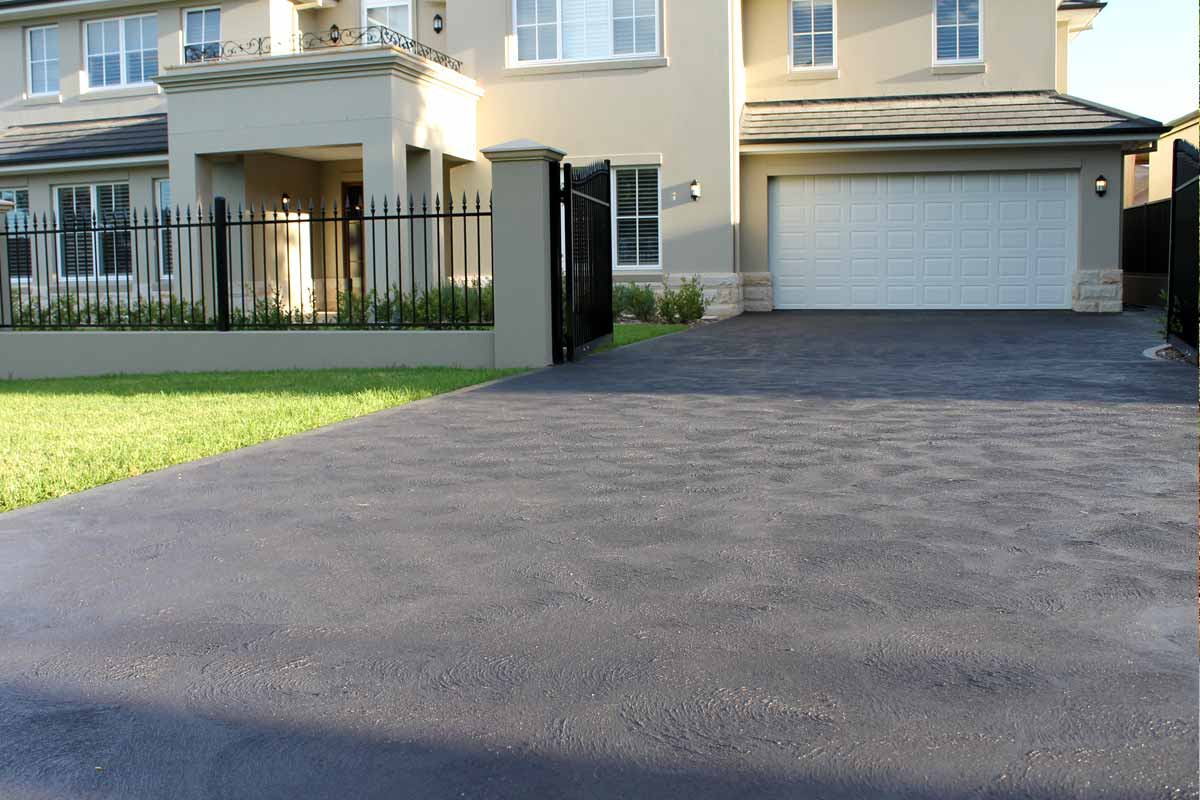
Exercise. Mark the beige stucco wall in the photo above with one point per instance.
(45, 354)
(241, 21)
(886, 48)
(41, 184)
(1100, 217)
(1162, 159)
(681, 115)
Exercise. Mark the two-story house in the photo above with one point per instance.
(792, 153)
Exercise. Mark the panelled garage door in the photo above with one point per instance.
(938, 240)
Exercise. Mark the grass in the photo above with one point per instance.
(63, 436)
(633, 332)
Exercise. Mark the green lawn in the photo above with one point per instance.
(634, 332)
(63, 436)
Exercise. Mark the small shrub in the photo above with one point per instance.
(642, 303)
(1175, 327)
(620, 300)
(685, 304)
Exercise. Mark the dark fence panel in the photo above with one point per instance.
(344, 265)
(587, 211)
(1183, 321)
(1146, 238)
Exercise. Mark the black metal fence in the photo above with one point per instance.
(294, 267)
(1146, 238)
(585, 196)
(1183, 294)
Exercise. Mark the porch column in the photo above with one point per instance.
(522, 258)
(385, 244)
(191, 190)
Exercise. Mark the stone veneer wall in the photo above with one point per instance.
(758, 292)
(1098, 290)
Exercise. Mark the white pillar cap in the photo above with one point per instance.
(523, 150)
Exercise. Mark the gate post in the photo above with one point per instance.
(6, 309)
(221, 261)
(523, 252)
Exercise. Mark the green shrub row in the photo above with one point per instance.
(451, 306)
(683, 305)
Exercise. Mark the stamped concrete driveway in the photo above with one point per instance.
(787, 556)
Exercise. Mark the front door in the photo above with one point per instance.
(352, 237)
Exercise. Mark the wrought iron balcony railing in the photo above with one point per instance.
(334, 37)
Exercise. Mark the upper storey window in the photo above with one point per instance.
(585, 30)
(42, 48)
(121, 52)
(201, 35)
(392, 14)
(957, 34)
(813, 34)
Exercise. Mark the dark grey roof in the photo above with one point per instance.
(1068, 5)
(87, 139)
(949, 116)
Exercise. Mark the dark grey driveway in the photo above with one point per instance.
(795, 556)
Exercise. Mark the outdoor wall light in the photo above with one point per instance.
(335, 34)
(697, 190)
(285, 200)
(1102, 186)
(438, 23)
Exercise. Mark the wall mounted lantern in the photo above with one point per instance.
(1102, 186)
(335, 34)
(438, 23)
(285, 200)
(697, 190)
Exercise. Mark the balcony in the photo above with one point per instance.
(335, 37)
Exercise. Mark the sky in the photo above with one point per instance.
(1141, 57)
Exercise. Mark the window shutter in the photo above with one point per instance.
(74, 218)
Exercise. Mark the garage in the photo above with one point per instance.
(988, 200)
(1004, 240)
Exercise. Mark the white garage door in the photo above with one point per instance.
(975, 240)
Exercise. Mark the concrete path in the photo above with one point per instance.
(787, 556)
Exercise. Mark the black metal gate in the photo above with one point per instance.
(1184, 286)
(581, 216)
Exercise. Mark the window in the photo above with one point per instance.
(957, 30)
(201, 35)
(585, 30)
(814, 38)
(16, 239)
(42, 49)
(95, 238)
(637, 210)
(392, 14)
(162, 202)
(122, 52)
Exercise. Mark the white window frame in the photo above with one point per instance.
(29, 63)
(952, 61)
(186, 44)
(125, 83)
(514, 56)
(616, 257)
(15, 232)
(381, 3)
(94, 223)
(792, 41)
(164, 231)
